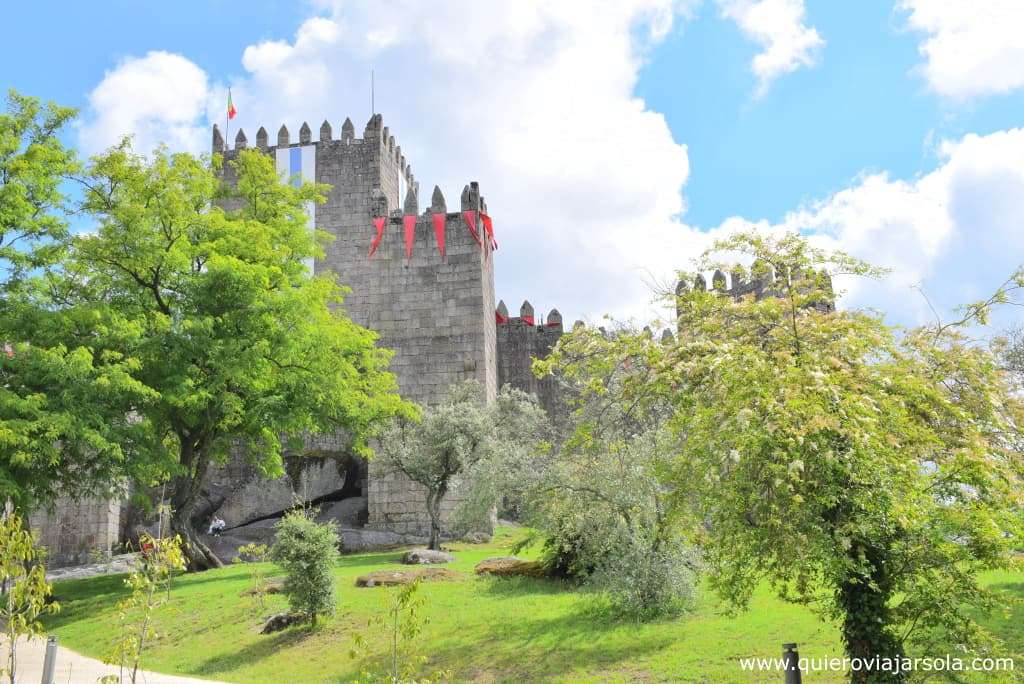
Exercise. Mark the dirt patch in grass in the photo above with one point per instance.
(271, 587)
(391, 578)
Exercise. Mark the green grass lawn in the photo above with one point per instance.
(481, 629)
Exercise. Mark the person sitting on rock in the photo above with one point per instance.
(217, 526)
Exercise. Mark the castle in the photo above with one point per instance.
(421, 276)
(436, 311)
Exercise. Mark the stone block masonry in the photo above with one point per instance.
(437, 314)
(72, 531)
(520, 340)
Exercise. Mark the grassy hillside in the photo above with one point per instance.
(482, 629)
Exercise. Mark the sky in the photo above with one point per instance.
(614, 141)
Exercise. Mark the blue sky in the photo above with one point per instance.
(613, 144)
(863, 108)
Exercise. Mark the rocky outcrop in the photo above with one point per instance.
(279, 621)
(391, 578)
(510, 566)
(426, 557)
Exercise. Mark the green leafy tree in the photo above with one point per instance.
(601, 499)
(33, 164)
(869, 471)
(253, 555)
(62, 426)
(204, 288)
(25, 591)
(161, 558)
(402, 621)
(458, 437)
(307, 551)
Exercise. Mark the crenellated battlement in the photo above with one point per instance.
(375, 133)
(519, 340)
(526, 319)
(762, 281)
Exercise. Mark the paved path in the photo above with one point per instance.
(73, 668)
(117, 564)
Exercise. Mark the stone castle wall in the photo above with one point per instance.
(520, 340)
(72, 531)
(436, 314)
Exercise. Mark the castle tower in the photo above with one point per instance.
(521, 339)
(436, 313)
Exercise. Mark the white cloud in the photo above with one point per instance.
(160, 97)
(533, 99)
(955, 232)
(973, 48)
(778, 27)
(583, 180)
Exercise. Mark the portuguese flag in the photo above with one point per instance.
(231, 106)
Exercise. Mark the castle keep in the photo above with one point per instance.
(436, 313)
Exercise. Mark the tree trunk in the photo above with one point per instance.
(198, 555)
(434, 510)
(864, 599)
(184, 491)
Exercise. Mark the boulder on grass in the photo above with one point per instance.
(426, 557)
(510, 566)
(279, 621)
(477, 537)
(391, 578)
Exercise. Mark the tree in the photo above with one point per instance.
(239, 347)
(454, 438)
(866, 470)
(62, 429)
(161, 558)
(25, 589)
(601, 497)
(308, 552)
(401, 620)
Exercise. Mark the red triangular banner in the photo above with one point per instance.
(439, 220)
(489, 227)
(378, 223)
(409, 223)
(528, 320)
(469, 216)
(499, 319)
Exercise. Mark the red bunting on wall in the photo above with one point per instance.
(528, 320)
(439, 219)
(469, 216)
(499, 319)
(378, 223)
(409, 223)
(489, 227)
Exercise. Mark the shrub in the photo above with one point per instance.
(307, 551)
(162, 557)
(26, 593)
(572, 547)
(645, 583)
(253, 555)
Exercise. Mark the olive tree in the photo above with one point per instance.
(457, 437)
